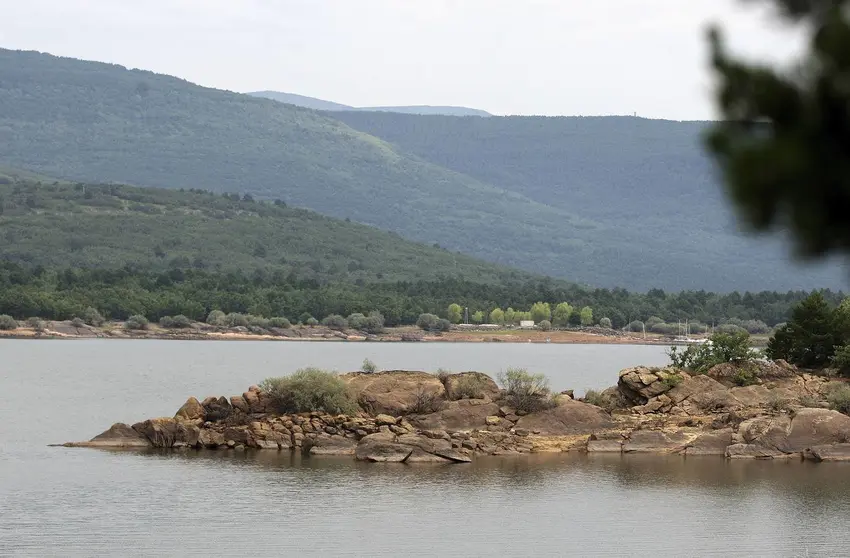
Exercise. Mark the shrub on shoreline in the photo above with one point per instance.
(526, 392)
(177, 322)
(8, 323)
(311, 389)
(92, 317)
(216, 318)
(136, 322)
(470, 386)
(335, 322)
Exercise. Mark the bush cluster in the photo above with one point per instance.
(176, 322)
(430, 322)
(7, 323)
(92, 317)
(526, 392)
(838, 397)
(470, 386)
(136, 322)
(311, 389)
(721, 348)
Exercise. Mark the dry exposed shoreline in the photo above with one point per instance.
(115, 330)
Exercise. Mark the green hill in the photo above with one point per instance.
(112, 226)
(98, 122)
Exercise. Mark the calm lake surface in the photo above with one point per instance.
(83, 502)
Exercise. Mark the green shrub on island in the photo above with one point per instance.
(368, 367)
(136, 322)
(7, 323)
(36, 324)
(280, 323)
(722, 347)
(373, 323)
(177, 322)
(257, 321)
(311, 389)
(92, 317)
(635, 326)
(427, 322)
(217, 318)
(470, 386)
(838, 397)
(335, 322)
(235, 319)
(526, 392)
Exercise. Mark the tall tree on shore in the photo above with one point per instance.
(784, 142)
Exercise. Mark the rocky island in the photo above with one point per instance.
(418, 417)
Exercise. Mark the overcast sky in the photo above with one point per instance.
(557, 57)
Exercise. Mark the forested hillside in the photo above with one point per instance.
(113, 226)
(102, 123)
(648, 179)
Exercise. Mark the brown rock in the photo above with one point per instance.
(691, 386)
(331, 445)
(817, 427)
(420, 456)
(191, 410)
(238, 402)
(831, 452)
(640, 384)
(711, 443)
(492, 420)
(751, 396)
(463, 415)
(458, 456)
(426, 444)
(762, 370)
(393, 392)
(382, 420)
(654, 441)
(752, 451)
(605, 443)
(119, 435)
(571, 417)
(211, 438)
(455, 383)
(380, 451)
(168, 432)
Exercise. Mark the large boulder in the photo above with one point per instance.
(761, 370)
(817, 427)
(795, 434)
(330, 445)
(833, 452)
(700, 394)
(216, 408)
(655, 441)
(394, 392)
(463, 415)
(482, 386)
(569, 417)
(638, 385)
(382, 448)
(710, 443)
(191, 410)
(168, 432)
(119, 435)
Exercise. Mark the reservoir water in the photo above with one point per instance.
(83, 502)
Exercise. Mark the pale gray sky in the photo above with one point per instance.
(556, 57)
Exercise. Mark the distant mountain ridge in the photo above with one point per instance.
(320, 104)
(608, 202)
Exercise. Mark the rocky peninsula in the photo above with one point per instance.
(418, 417)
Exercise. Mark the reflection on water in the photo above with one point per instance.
(80, 502)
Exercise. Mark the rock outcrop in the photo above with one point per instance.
(658, 411)
(394, 392)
